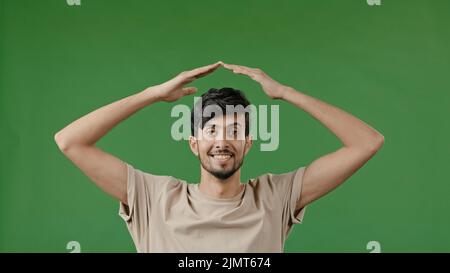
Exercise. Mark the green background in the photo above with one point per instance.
(387, 65)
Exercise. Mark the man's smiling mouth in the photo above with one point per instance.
(221, 156)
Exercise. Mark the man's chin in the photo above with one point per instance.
(219, 171)
(223, 175)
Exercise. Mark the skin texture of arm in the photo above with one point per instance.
(77, 140)
(360, 141)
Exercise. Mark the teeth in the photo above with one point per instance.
(222, 156)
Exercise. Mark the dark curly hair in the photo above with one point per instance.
(220, 97)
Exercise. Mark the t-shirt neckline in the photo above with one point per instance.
(197, 192)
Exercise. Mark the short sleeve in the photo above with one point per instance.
(289, 188)
(142, 191)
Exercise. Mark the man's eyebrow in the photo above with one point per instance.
(209, 125)
(235, 124)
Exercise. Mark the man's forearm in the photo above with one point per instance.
(88, 129)
(351, 131)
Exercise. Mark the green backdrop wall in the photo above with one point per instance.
(387, 64)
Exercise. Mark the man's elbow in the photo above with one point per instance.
(61, 142)
(376, 143)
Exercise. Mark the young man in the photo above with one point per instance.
(220, 214)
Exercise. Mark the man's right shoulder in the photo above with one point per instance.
(150, 177)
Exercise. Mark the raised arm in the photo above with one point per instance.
(360, 141)
(77, 140)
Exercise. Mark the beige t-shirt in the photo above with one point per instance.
(166, 214)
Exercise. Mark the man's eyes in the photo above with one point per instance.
(212, 131)
(234, 131)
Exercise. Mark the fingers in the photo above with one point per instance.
(235, 66)
(204, 70)
(196, 73)
(240, 69)
(207, 67)
(189, 90)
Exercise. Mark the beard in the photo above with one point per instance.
(221, 174)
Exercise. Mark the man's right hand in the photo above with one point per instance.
(174, 89)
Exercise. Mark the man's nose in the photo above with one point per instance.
(221, 143)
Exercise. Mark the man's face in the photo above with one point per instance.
(221, 145)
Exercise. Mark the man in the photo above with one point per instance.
(220, 214)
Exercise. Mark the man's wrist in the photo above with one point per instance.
(150, 95)
(285, 91)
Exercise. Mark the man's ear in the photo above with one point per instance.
(248, 143)
(193, 145)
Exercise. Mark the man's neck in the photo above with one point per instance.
(217, 188)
